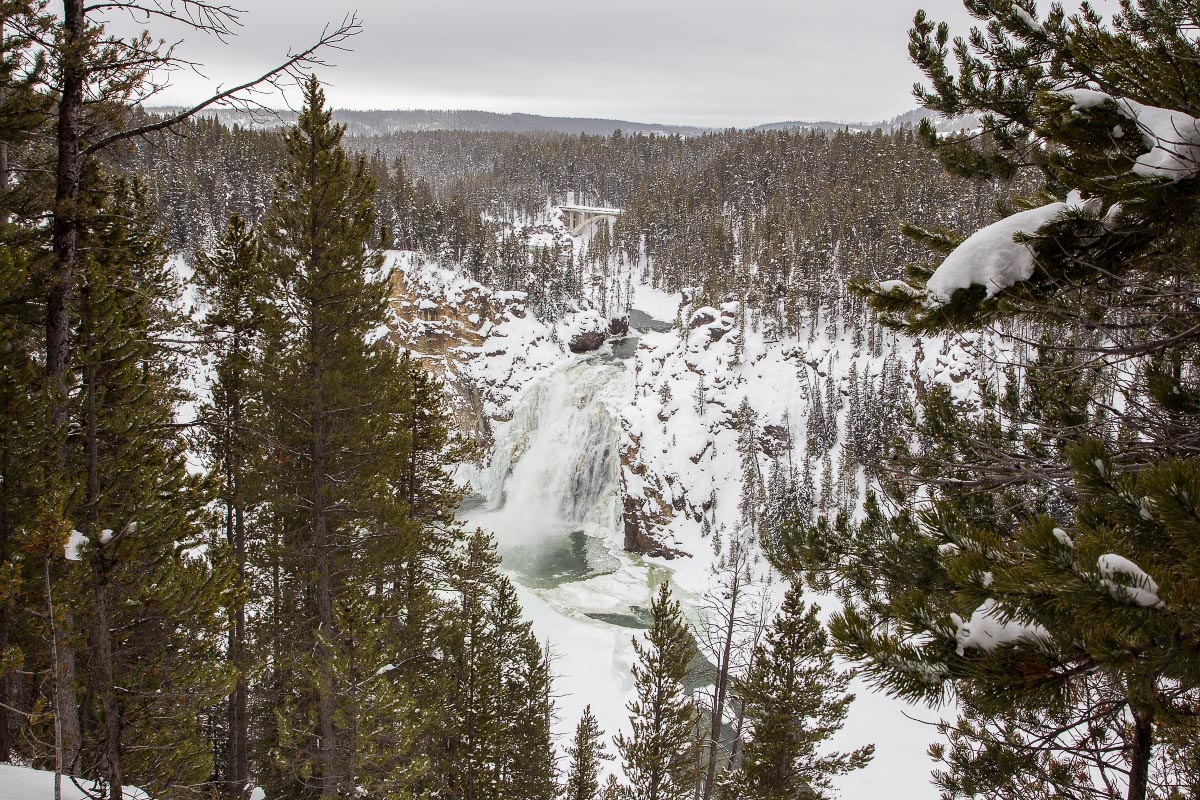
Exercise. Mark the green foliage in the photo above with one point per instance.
(495, 724)
(1034, 565)
(350, 483)
(153, 588)
(1137, 229)
(795, 700)
(661, 755)
(586, 752)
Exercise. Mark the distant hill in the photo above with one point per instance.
(376, 123)
(910, 119)
(821, 125)
(382, 123)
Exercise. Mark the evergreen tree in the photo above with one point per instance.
(751, 504)
(25, 450)
(468, 767)
(795, 700)
(495, 741)
(154, 603)
(531, 767)
(338, 438)
(586, 751)
(661, 754)
(231, 280)
(1045, 563)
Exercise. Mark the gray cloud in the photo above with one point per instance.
(711, 62)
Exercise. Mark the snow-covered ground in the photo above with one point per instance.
(22, 783)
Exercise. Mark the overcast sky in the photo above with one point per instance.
(706, 62)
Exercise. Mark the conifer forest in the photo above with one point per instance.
(460, 455)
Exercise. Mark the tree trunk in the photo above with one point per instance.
(1140, 750)
(102, 670)
(103, 674)
(8, 678)
(735, 748)
(65, 699)
(5, 170)
(64, 230)
(718, 712)
(239, 768)
(326, 706)
(64, 235)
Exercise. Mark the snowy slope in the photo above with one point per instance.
(669, 401)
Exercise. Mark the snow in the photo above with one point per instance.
(23, 783)
(71, 549)
(1063, 538)
(1028, 19)
(986, 630)
(1135, 586)
(591, 659)
(1172, 136)
(656, 303)
(106, 536)
(677, 458)
(542, 240)
(698, 451)
(990, 257)
(887, 287)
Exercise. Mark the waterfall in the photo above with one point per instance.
(554, 476)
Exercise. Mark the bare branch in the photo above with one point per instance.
(298, 62)
(218, 20)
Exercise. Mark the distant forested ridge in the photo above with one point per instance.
(770, 216)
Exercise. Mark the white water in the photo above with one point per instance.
(554, 479)
(553, 501)
(556, 467)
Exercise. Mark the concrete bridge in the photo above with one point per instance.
(579, 218)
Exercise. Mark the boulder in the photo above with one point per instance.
(586, 342)
(618, 326)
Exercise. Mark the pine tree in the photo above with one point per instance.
(795, 700)
(338, 436)
(586, 752)
(661, 755)
(25, 451)
(1052, 546)
(751, 504)
(155, 605)
(468, 768)
(531, 767)
(231, 280)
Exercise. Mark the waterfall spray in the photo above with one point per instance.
(556, 466)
